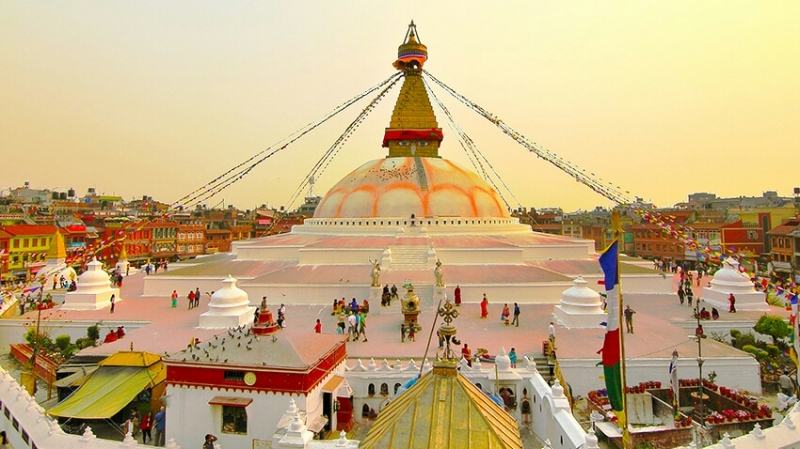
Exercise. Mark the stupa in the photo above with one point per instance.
(729, 280)
(580, 307)
(229, 307)
(94, 290)
(406, 210)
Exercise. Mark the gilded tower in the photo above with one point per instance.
(413, 130)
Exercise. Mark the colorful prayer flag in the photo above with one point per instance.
(611, 360)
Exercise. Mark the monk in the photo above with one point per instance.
(467, 354)
(457, 295)
(484, 307)
(732, 302)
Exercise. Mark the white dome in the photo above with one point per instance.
(94, 277)
(729, 275)
(228, 298)
(502, 361)
(581, 299)
(402, 186)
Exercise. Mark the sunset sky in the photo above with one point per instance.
(157, 97)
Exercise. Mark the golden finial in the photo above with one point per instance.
(449, 313)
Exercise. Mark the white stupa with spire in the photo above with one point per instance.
(229, 307)
(94, 290)
(729, 280)
(580, 307)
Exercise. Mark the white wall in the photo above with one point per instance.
(13, 330)
(742, 372)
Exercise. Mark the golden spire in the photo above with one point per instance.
(413, 130)
(123, 253)
(58, 249)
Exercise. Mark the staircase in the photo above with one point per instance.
(542, 367)
(410, 257)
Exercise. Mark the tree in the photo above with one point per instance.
(774, 326)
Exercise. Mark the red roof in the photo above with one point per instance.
(4, 234)
(784, 229)
(15, 230)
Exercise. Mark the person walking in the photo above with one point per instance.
(484, 307)
(457, 295)
(466, 354)
(505, 314)
(689, 296)
(113, 302)
(681, 295)
(515, 321)
(512, 356)
(144, 426)
(190, 296)
(174, 298)
(732, 302)
(628, 312)
(340, 323)
(318, 327)
(362, 325)
(351, 326)
(196, 295)
(403, 332)
(160, 423)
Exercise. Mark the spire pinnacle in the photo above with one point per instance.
(413, 130)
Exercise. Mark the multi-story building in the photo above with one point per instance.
(218, 240)
(28, 247)
(744, 240)
(785, 245)
(191, 239)
(137, 240)
(163, 244)
(5, 241)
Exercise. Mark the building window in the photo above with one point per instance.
(371, 390)
(384, 389)
(396, 387)
(236, 376)
(234, 420)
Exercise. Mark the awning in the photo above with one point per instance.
(104, 393)
(75, 379)
(338, 386)
(317, 424)
(229, 401)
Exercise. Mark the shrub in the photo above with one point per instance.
(773, 350)
(758, 353)
(774, 326)
(93, 332)
(736, 333)
(747, 339)
(63, 342)
(85, 342)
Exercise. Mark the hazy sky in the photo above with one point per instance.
(157, 97)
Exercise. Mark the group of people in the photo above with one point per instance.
(685, 291)
(153, 267)
(508, 316)
(114, 334)
(193, 296)
(144, 426)
(61, 282)
(388, 295)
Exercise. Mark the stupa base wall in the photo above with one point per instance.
(90, 301)
(744, 301)
(211, 320)
(579, 320)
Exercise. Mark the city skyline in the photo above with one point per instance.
(123, 96)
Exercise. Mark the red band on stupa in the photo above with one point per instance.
(412, 134)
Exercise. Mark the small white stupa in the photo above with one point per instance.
(580, 307)
(94, 290)
(730, 280)
(229, 307)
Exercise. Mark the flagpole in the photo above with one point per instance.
(615, 222)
